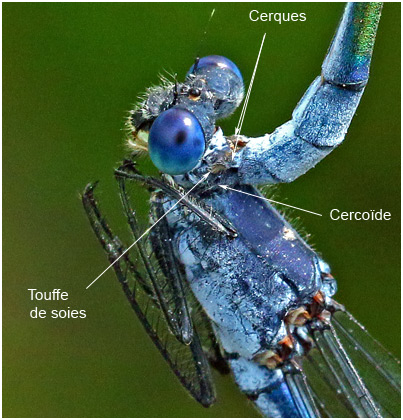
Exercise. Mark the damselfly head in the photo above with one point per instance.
(176, 121)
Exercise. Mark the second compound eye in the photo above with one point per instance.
(215, 61)
(176, 142)
(223, 83)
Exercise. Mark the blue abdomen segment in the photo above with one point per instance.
(268, 389)
(349, 56)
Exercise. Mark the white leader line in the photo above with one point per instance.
(148, 230)
(226, 187)
(245, 104)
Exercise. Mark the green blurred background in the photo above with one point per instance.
(70, 72)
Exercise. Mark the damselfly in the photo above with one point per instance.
(220, 278)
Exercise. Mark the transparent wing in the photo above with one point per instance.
(349, 373)
(156, 258)
(301, 393)
(151, 294)
(380, 370)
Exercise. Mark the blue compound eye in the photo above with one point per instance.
(176, 142)
(216, 61)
